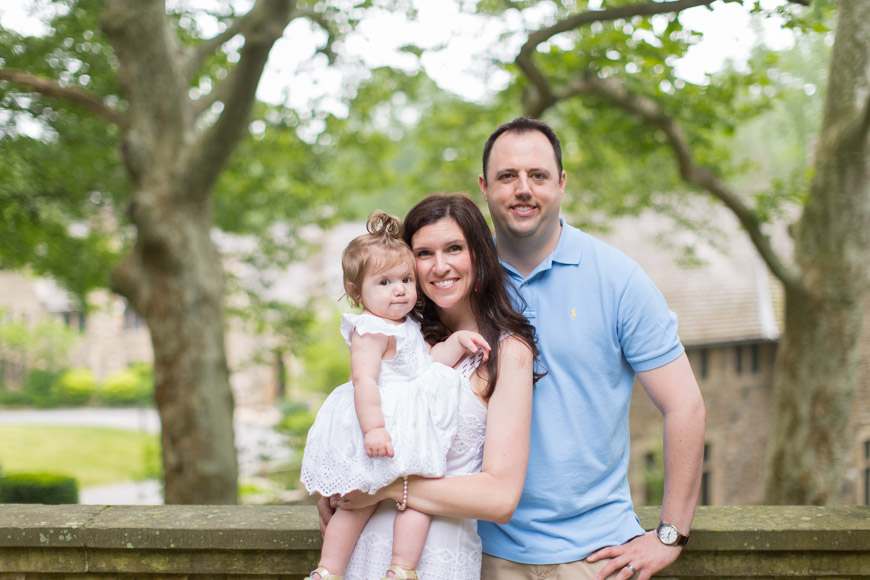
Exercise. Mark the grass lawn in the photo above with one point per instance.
(94, 456)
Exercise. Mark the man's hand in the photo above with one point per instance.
(379, 443)
(646, 554)
(325, 508)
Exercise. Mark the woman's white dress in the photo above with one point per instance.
(419, 399)
(452, 549)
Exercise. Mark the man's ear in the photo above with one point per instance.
(481, 182)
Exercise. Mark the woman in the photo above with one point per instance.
(464, 288)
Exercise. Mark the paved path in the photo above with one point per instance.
(257, 444)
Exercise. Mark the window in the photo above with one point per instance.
(738, 360)
(867, 472)
(132, 318)
(75, 320)
(704, 362)
(754, 358)
(11, 373)
(653, 478)
(705, 477)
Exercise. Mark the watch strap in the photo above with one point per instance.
(681, 539)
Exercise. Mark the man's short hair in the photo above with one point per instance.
(522, 125)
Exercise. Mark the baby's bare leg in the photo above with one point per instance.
(341, 535)
(409, 536)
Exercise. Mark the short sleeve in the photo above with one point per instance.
(367, 324)
(648, 330)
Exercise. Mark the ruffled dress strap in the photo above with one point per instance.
(469, 364)
(365, 323)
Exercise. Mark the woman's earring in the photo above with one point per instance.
(478, 286)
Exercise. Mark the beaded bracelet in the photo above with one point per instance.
(401, 506)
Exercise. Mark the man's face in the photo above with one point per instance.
(523, 187)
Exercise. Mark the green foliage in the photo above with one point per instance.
(45, 488)
(325, 361)
(326, 356)
(132, 385)
(44, 344)
(61, 172)
(45, 389)
(296, 420)
(38, 387)
(654, 478)
(74, 387)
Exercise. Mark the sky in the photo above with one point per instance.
(457, 43)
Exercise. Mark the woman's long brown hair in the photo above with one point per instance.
(491, 296)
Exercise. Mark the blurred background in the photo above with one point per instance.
(178, 180)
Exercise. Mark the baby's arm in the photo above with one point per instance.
(457, 344)
(366, 353)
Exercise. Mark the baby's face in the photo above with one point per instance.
(391, 292)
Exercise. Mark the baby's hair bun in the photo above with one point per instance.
(384, 224)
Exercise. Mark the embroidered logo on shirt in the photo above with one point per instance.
(573, 313)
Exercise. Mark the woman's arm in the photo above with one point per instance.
(493, 493)
(366, 353)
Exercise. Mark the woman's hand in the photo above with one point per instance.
(360, 499)
(326, 508)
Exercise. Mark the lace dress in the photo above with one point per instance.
(452, 549)
(419, 399)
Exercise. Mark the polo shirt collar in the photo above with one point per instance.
(568, 250)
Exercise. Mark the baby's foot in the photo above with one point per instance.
(321, 573)
(396, 572)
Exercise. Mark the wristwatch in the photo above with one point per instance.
(670, 535)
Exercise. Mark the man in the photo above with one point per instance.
(600, 322)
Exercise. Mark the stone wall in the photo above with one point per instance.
(738, 408)
(281, 542)
(737, 404)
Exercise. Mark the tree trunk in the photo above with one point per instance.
(173, 276)
(818, 361)
(182, 302)
(814, 387)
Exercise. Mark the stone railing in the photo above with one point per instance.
(78, 542)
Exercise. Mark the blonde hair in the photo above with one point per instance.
(377, 250)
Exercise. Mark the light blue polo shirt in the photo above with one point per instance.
(599, 319)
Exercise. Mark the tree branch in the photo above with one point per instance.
(324, 23)
(625, 12)
(263, 26)
(651, 113)
(208, 46)
(197, 56)
(50, 88)
(540, 96)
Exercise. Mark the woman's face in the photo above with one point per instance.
(444, 268)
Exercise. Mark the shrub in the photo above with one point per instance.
(74, 387)
(47, 488)
(37, 387)
(34, 391)
(131, 385)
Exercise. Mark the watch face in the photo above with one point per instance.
(668, 534)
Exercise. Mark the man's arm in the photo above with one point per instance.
(675, 392)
